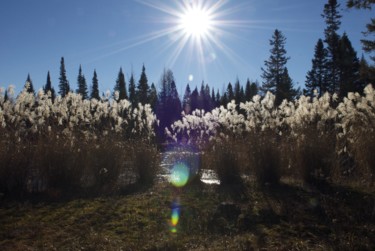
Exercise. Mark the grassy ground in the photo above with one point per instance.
(285, 217)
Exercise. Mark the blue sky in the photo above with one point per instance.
(108, 34)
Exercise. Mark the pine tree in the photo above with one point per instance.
(64, 83)
(316, 77)
(332, 19)
(82, 85)
(367, 45)
(275, 65)
(29, 85)
(153, 96)
(95, 87)
(143, 87)
(132, 91)
(48, 87)
(186, 101)
(349, 67)
(121, 85)
(254, 89)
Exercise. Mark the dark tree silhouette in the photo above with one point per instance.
(82, 85)
(332, 18)
(316, 78)
(132, 91)
(121, 85)
(29, 85)
(48, 89)
(64, 87)
(95, 87)
(143, 88)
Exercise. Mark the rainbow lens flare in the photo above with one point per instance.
(179, 175)
(175, 217)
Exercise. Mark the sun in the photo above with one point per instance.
(196, 21)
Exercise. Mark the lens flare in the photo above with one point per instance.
(179, 175)
(175, 216)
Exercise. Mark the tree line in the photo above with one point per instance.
(335, 69)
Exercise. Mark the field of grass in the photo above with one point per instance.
(282, 217)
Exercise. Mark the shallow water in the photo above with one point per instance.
(189, 158)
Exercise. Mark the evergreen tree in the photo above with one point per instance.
(213, 98)
(95, 87)
(29, 85)
(368, 45)
(82, 85)
(186, 101)
(316, 77)
(237, 92)
(332, 19)
(272, 74)
(6, 97)
(276, 76)
(194, 100)
(64, 83)
(218, 98)
(207, 101)
(224, 99)
(143, 87)
(251, 90)
(48, 87)
(132, 91)
(169, 104)
(285, 89)
(153, 96)
(230, 93)
(349, 67)
(121, 85)
(254, 89)
(366, 74)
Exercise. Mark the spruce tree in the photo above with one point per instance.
(332, 19)
(82, 85)
(213, 98)
(95, 87)
(186, 101)
(285, 89)
(218, 98)
(143, 87)
(230, 93)
(153, 96)
(132, 91)
(194, 100)
(29, 85)
(274, 69)
(48, 87)
(237, 92)
(121, 85)
(349, 67)
(64, 87)
(169, 104)
(316, 77)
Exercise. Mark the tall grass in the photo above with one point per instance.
(308, 138)
(74, 147)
